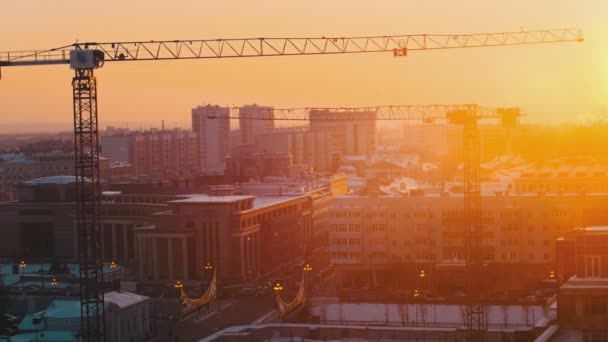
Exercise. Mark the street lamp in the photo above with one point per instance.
(208, 268)
(278, 288)
(422, 274)
(179, 287)
(416, 294)
(53, 282)
(113, 267)
(307, 269)
(22, 265)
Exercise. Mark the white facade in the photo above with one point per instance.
(213, 128)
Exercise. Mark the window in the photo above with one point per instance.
(592, 266)
(595, 335)
(594, 305)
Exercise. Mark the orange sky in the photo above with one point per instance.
(555, 82)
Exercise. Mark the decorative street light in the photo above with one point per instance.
(179, 287)
(307, 269)
(416, 293)
(53, 282)
(208, 268)
(22, 265)
(422, 274)
(278, 288)
(113, 267)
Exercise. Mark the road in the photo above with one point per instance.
(241, 311)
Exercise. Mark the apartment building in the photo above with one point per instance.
(155, 153)
(381, 233)
(255, 120)
(212, 126)
(343, 137)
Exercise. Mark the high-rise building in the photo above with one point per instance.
(212, 125)
(347, 137)
(155, 153)
(255, 120)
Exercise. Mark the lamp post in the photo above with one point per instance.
(179, 287)
(278, 288)
(22, 265)
(307, 269)
(208, 270)
(54, 285)
(113, 268)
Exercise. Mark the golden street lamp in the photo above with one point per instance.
(208, 268)
(278, 288)
(422, 274)
(552, 274)
(22, 265)
(416, 294)
(179, 287)
(307, 268)
(113, 268)
(53, 282)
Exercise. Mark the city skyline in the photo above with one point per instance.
(530, 77)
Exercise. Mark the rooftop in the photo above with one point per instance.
(123, 299)
(51, 180)
(204, 198)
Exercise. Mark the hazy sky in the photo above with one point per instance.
(553, 82)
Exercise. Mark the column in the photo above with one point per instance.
(257, 252)
(113, 241)
(170, 258)
(242, 258)
(125, 242)
(136, 254)
(103, 242)
(154, 257)
(185, 258)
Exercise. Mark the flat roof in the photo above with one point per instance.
(52, 180)
(63, 308)
(123, 299)
(597, 229)
(204, 198)
(258, 201)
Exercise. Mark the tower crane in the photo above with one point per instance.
(84, 58)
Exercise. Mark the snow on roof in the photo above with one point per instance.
(47, 335)
(51, 180)
(204, 198)
(603, 229)
(263, 201)
(124, 299)
(63, 309)
(258, 201)
(16, 158)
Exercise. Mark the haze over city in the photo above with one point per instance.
(398, 171)
(555, 83)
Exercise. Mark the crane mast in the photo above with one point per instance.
(85, 57)
(88, 202)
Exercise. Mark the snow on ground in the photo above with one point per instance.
(433, 314)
